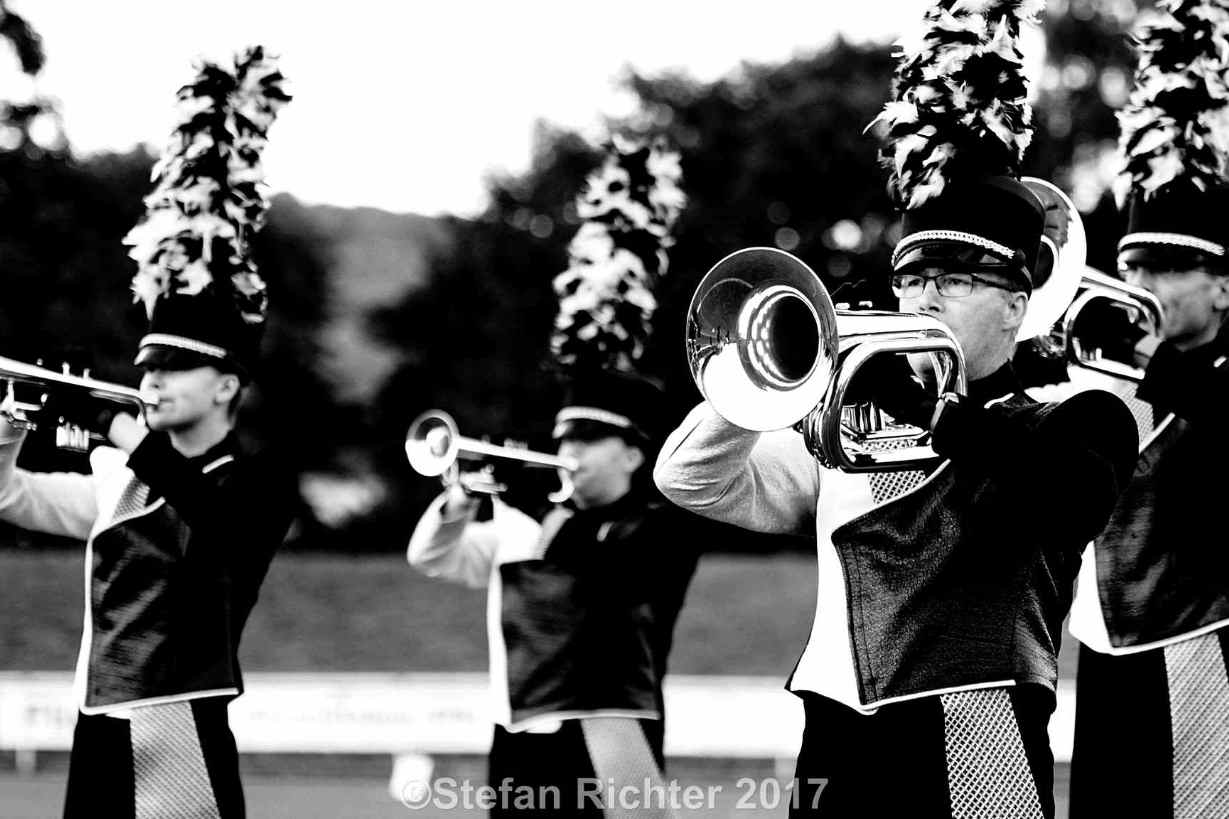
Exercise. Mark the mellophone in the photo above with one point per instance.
(768, 350)
(26, 414)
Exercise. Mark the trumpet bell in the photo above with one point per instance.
(433, 446)
(761, 338)
(432, 443)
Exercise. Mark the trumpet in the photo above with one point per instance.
(23, 414)
(768, 350)
(434, 447)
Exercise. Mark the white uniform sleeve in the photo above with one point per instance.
(465, 551)
(58, 503)
(766, 482)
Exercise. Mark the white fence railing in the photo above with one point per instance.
(440, 713)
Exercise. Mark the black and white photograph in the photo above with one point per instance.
(633, 411)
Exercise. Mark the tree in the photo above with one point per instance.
(1087, 76)
(772, 155)
(29, 120)
(761, 154)
(67, 274)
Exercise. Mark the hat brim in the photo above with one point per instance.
(1165, 257)
(159, 357)
(584, 429)
(958, 255)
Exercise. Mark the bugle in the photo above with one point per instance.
(768, 350)
(24, 414)
(434, 447)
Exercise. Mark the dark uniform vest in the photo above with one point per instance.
(967, 580)
(588, 627)
(167, 603)
(1163, 561)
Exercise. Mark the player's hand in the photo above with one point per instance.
(1145, 348)
(888, 382)
(80, 410)
(458, 502)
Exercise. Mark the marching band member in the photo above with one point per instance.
(930, 673)
(581, 607)
(1152, 702)
(179, 526)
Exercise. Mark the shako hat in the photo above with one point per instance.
(955, 132)
(204, 299)
(599, 403)
(1174, 142)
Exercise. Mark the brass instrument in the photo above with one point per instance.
(23, 414)
(768, 350)
(434, 446)
(1142, 309)
(1060, 265)
(1068, 287)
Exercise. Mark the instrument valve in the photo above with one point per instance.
(72, 438)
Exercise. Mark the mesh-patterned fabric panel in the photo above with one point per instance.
(168, 765)
(132, 499)
(621, 757)
(887, 485)
(988, 774)
(1199, 717)
(1145, 420)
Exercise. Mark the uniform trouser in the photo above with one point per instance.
(1129, 755)
(562, 772)
(909, 759)
(105, 780)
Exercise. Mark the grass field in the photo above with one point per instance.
(744, 615)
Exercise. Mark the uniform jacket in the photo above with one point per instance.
(176, 550)
(581, 607)
(960, 583)
(1161, 563)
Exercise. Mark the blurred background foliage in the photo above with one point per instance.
(378, 316)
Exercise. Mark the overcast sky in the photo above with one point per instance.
(405, 105)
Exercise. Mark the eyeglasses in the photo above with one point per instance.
(949, 285)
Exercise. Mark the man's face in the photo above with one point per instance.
(185, 397)
(984, 321)
(605, 468)
(1193, 300)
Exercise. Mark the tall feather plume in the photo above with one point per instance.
(959, 106)
(606, 302)
(209, 196)
(1175, 125)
